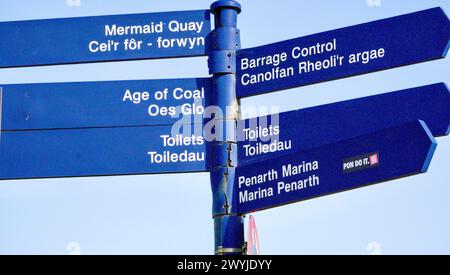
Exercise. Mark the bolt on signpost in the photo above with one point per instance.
(228, 227)
(267, 161)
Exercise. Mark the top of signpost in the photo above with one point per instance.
(225, 4)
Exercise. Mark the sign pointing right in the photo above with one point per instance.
(367, 159)
(273, 136)
(374, 46)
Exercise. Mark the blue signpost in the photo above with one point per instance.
(384, 44)
(104, 38)
(371, 158)
(102, 152)
(104, 104)
(267, 137)
(228, 228)
(164, 126)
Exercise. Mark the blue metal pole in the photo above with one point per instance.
(224, 41)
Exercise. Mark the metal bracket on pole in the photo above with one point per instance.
(224, 42)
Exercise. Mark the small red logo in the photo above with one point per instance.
(373, 159)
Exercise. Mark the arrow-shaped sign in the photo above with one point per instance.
(367, 159)
(103, 104)
(393, 42)
(102, 151)
(104, 38)
(281, 134)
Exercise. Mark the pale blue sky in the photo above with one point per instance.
(170, 214)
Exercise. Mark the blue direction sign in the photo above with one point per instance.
(103, 104)
(281, 134)
(371, 158)
(369, 47)
(102, 151)
(104, 38)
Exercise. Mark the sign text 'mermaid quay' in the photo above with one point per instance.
(104, 38)
(173, 26)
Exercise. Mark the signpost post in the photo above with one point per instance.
(225, 39)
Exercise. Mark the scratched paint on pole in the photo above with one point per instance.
(274, 136)
(104, 104)
(104, 38)
(367, 159)
(393, 42)
(102, 152)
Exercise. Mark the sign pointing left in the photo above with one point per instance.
(103, 104)
(103, 38)
(102, 152)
